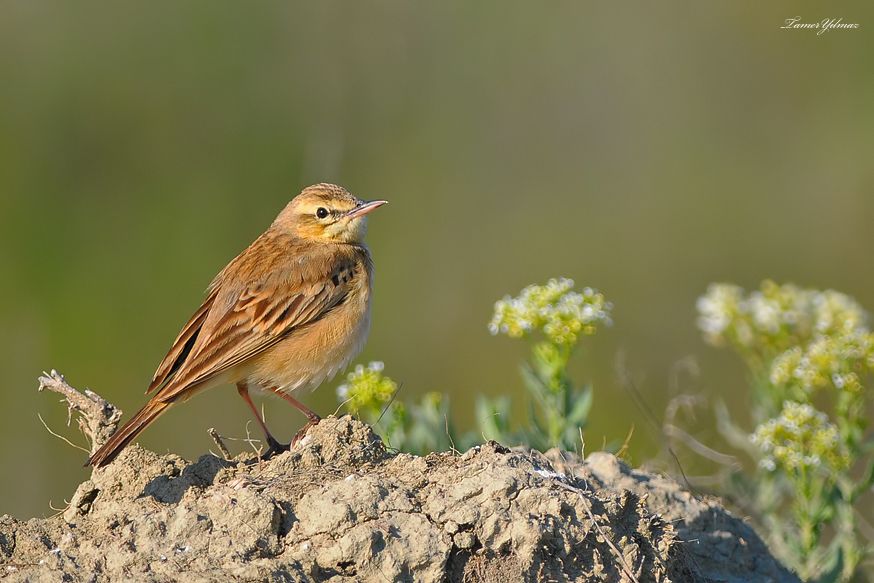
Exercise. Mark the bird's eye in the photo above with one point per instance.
(321, 212)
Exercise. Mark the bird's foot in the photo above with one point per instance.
(314, 420)
(275, 448)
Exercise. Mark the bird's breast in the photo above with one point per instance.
(317, 351)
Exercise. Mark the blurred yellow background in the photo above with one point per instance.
(645, 151)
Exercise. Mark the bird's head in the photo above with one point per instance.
(327, 212)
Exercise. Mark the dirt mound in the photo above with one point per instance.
(340, 507)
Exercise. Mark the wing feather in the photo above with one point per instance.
(236, 323)
(182, 346)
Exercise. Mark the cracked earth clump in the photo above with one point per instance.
(339, 507)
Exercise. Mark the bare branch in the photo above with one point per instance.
(219, 443)
(98, 418)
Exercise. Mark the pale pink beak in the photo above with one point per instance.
(365, 208)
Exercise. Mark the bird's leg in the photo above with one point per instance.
(274, 445)
(311, 415)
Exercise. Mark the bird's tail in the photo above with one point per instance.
(121, 438)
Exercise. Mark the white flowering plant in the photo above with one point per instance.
(556, 317)
(418, 427)
(370, 395)
(810, 355)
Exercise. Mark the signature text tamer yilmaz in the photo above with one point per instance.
(820, 26)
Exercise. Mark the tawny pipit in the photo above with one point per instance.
(286, 314)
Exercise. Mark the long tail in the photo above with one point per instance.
(121, 438)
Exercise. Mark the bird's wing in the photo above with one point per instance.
(240, 323)
(182, 346)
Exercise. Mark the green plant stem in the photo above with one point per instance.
(549, 365)
(806, 523)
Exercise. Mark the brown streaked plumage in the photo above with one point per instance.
(287, 313)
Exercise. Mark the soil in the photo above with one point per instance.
(340, 507)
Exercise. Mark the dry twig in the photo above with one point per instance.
(219, 443)
(98, 418)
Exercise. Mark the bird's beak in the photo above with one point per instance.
(365, 208)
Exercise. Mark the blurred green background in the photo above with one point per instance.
(644, 150)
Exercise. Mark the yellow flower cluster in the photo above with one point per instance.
(775, 317)
(366, 388)
(554, 309)
(840, 361)
(799, 439)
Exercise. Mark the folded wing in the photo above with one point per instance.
(238, 322)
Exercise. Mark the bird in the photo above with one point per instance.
(288, 313)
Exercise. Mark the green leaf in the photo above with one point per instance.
(536, 384)
(834, 565)
(580, 408)
(537, 433)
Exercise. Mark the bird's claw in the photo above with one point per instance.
(303, 430)
(275, 448)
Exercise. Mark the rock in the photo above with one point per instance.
(339, 507)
